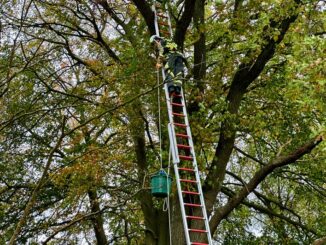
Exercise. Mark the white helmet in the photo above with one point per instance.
(151, 40)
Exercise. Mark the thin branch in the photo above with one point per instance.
(85, 217)
(249, 156)
(116, 107)
(74, 221)
(259, 176)
(243, 77)
(148, 132)
(270, 212)
(39, 185)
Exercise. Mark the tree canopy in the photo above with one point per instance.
(82, 111)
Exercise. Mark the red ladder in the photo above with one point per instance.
(191, 198)
(192, 205)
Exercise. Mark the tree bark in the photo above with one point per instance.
(320, 241)
(144, 196)
(97, 219)
(137, 128)
(147, 13)
(244, 76)
(199, 70)
(39, 185)
(184, 22)
(260, 175)
(178, 236)
(199, 46)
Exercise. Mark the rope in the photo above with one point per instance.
(168, 201)
(159, 116)
(166, 204)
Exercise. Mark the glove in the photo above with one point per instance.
(158, 66)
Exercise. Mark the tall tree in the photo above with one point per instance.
(80, 128)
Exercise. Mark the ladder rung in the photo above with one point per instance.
(197, 230)
(187, 158)
(165, 32)
(178, 114)
(183, 146)
(181, 135)
(176, 95)
(188, 180)
(180, 125)
(195, 217)
(187, 169)
(192, 205)
(198, 243)
(191, 192)
(164, 28)
(176, 104)
(163, 23)
(162, 15)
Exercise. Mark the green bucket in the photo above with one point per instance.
(161, 184)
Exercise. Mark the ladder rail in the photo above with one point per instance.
(169, 19)
(157, 30)
(173, 143)
(175, 150)
(195, 166)
(172, 138)
(183, 211)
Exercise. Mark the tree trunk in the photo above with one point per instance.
(137, 128)
(320, 241)
(97, 219)
(178, 236)
(163, 227)
(199, 70)
(199, 46)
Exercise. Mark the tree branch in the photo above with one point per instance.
(270, 212)
(39, 185)
(147, 14)
(111, 12)
(244, 76)
(248, 156)
(184, 22)
(320, 241)
(259, 176)
(78, 218)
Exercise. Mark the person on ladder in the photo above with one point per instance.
(173, 62)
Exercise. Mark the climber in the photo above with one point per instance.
(172, 60)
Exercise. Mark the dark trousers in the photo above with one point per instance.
(174, 68)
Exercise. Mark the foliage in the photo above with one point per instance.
(79, 123)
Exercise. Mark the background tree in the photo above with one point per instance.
(79, 124)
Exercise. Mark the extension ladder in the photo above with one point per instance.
(191, 198)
